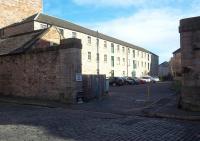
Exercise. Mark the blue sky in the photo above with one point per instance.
(151, 24)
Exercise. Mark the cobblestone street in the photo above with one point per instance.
(32, 123)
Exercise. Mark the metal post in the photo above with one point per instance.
(97, 53)
(97, 64)
(127, 67)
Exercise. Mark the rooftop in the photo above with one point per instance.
(43, 18)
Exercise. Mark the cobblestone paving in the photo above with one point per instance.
(29, 123)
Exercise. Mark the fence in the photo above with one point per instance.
(94, 86)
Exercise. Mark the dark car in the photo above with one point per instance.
(136, 81)
(129, 81)
(116, 81)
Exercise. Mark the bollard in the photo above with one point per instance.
(148, 92)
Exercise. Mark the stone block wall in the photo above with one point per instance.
(47, 73)
(190, 62)
(13, 11)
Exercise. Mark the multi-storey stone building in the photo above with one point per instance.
(100, 52)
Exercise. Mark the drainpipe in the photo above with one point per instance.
(127, 60)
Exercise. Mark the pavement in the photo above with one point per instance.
(122, 116)
(168, 108)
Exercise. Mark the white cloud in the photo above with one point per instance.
(126, 3)
(109, 2)
(153, 29)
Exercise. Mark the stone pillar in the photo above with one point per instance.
(71, 68)
(190, 50)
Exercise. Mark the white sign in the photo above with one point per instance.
(79, 77)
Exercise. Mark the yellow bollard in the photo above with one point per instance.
(148, 92)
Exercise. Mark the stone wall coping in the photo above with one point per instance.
(189, 24)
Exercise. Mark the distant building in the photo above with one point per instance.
(175, 64)
(164, 69)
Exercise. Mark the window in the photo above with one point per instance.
(133, 73)
(124, 73)
(118, 48)
(112, 48)
(61, 31)
(89, 56)
(43, 26)
(142, 64)
(74, 35)
(138, 53)
(148, 66)
(118, 60)
(105, 58)
(112, 61)
(145, 65)
(148, 57)
(134, 64)
(123, 61)
(105, 44)
(123, 49)
(133, 53)
(112, 73)
(89, 40)
(128, 50)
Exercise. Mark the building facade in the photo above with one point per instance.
(164, 69)
(175, 64)
(100, 53)
(113, 57)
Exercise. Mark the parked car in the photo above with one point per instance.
(155, 79)
(146, 78)
(136, 81)
(128, 80)
(116, 81)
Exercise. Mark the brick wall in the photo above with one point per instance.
(13, 11)
(47, 73)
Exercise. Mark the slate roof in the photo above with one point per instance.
(43, 18)
(177, 51)
(164, 64)
(19, 43)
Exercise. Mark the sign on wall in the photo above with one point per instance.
(79, 77)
